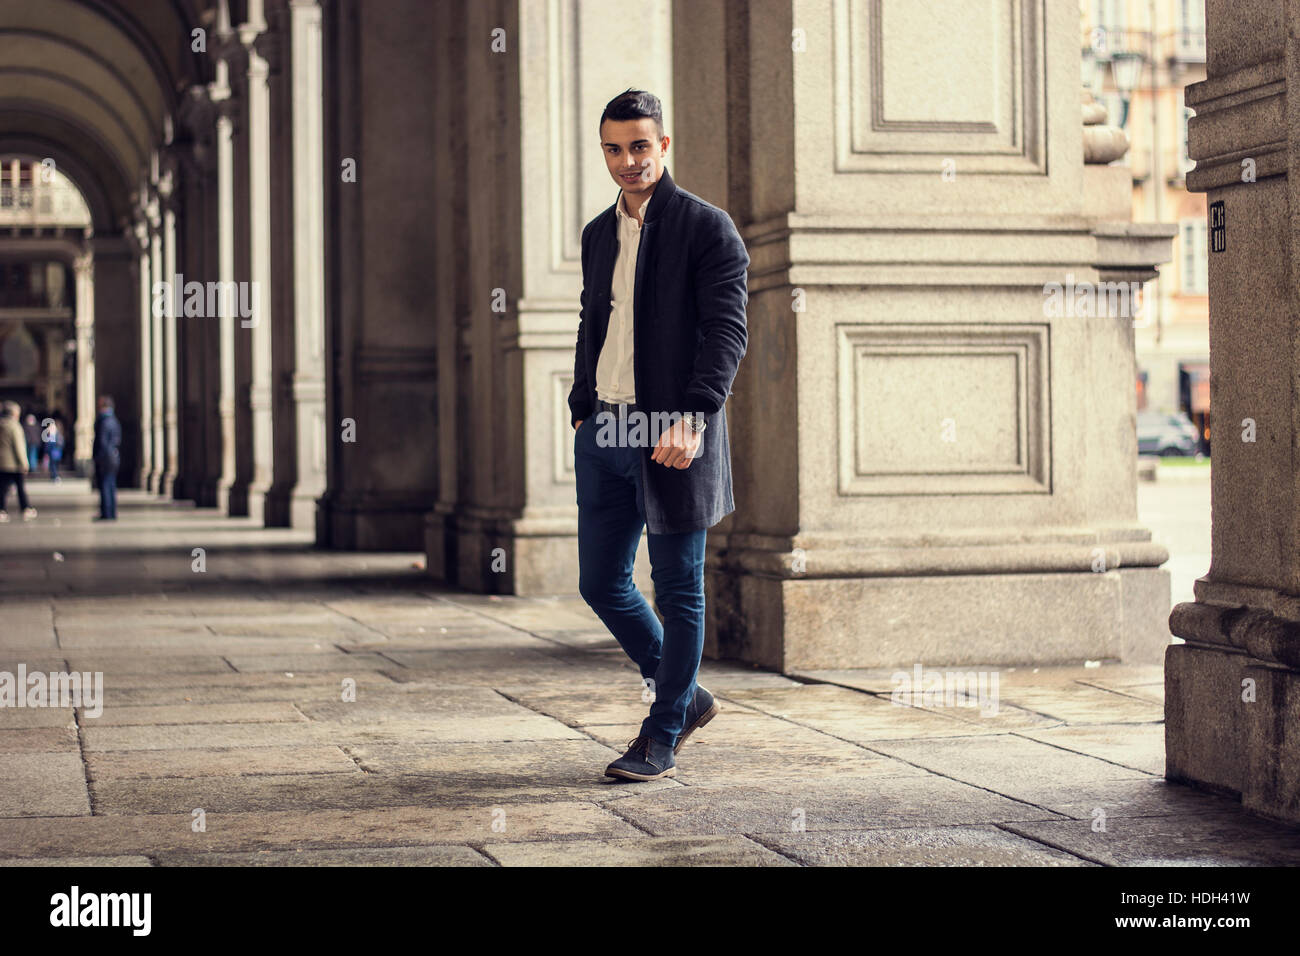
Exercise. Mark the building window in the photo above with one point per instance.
(1191, 30)
(1109, 16)
(1184, 160)
(1195, 268)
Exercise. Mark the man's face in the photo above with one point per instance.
(634, 153)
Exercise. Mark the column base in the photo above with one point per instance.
(538, 552)
(370, 522)
(247, 501)
(1232, 704)
(290, 506)
(1028, 605)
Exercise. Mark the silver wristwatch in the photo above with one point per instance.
(695, 423)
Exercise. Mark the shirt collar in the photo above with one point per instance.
(618, 207)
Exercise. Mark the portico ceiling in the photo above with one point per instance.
(91, 83)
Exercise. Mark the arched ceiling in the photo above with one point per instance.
(93, 81)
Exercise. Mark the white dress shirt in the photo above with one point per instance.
(615, 381)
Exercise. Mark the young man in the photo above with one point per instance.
(661, 334)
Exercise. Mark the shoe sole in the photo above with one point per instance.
(629, 775)
(703, 719)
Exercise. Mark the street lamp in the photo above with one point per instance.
(1127, 69)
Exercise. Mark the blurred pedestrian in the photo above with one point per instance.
(108, 438)
(32, 435)
(52, 443)
(13, 461)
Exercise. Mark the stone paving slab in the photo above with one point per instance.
(427, 730)
(650, 851)
(242, 713)
(1153, 692)
(816, 805)
(391, 826)
(918, 846)
(428, 637)
(40, 740)
(1084, 704)
(230, 687)
(329, 660)
(881, 680)
(415, 701)
(88, 861)
(23, 718)
(357, 856)
(1138, 746)
(42, 784)
(339, 791)
(147, 665)
(1210, 839)
(1011, 765)
(243, 761)
(1152, 797)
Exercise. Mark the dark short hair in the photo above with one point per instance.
(635, 104)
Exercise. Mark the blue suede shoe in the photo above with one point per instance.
(646, 759)
(702, 709)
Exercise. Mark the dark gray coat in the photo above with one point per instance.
(688, 334)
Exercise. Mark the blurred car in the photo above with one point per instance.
(1160, 433)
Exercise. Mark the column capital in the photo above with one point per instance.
(84, 263)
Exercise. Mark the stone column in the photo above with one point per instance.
(254, 330)
(198, 338)
(158, 454)
(382, 302)
(167, 321)
(220, 95)
(145, 367)
(116, 343)
(299, 337)
(1232, 691)
(505, 519)
(912, 426)
(84, 270)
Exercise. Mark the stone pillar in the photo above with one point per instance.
(220, 95)
(506, 490)
(84, 323)
(1232, 691)
(381, 297)
(298, 215)
(253, 332)
(168, 320)
(158, 454)
(144, 369)
(198, 341)
(913, 426)
(116, 340)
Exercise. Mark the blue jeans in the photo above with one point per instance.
(611, 516)
(107, 493)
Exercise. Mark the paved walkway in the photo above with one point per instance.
(481, 727)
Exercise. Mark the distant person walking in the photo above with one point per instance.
(32, 435)
(13, 461)
(52, 443)
(108, 438)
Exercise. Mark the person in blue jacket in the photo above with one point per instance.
(107, 458)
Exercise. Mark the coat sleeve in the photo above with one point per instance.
(721, 294)
(580, 394)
